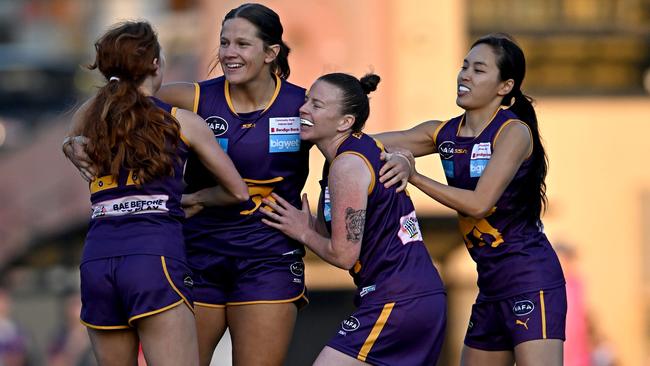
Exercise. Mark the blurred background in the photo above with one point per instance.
(588, 68)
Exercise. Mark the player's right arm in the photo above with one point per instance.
(231, 188)
(418, 140)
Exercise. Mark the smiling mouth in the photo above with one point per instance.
(306, 122)
(234, 66)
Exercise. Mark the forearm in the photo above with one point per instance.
(215, 196)
(324, 248)
(463, 200)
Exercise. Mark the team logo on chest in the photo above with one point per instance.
(479, 158)
(446, 149)
(218, 125)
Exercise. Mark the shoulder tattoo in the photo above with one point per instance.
(355, 220)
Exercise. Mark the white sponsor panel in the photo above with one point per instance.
(284, 125)
(409, 229)
(481, 151)
(131, 205)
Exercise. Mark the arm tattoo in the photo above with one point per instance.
(354, 223)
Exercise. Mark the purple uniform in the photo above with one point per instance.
(133, 262)
(401, 311)
(226, 245)
(512, 254)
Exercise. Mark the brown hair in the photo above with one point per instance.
(125, 128)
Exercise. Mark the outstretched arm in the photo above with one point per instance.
(418, 140)
(182, 95)
(511, 149)
(232, 188)
(349, 180)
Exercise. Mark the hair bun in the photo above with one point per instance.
(369, 83)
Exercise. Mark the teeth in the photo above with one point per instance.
(463, 88)
(234, 66)
(306, 122)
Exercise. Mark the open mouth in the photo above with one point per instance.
(306, 122)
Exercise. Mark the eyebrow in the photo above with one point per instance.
(480, 63)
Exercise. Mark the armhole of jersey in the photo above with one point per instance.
(371, 187)
(197, 94)
(173, 113)
(435, 133)
(496, 136)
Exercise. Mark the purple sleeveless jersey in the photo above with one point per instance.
(512, 254)
(393, 263)
(266, 149)
(127, 219)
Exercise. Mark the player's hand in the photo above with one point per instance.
(283, 216)
(75, 150)
(399, 166)
(191, 205)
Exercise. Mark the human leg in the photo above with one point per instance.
(117, 347)
(331, 357)
(169, 337)
(210, 326)
(540, 352)
(261, 333)
(476, 357)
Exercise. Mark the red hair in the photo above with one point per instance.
(125, 128)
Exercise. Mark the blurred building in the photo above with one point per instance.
(588, 67)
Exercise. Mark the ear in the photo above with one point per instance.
(156, 65)
(271, 52)
(505, 87)
(345, 123)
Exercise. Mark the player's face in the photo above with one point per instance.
(478, 82)
(321, 112)
(242, 54)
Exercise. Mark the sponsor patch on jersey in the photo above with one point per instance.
(366, 290)
(218, 125)
(327, 205)
(284, 143)
(409, 229)
(448, 167)
(523, 307)
(130, 205)
(284, 134)
(479, 158)
(284, 126)
(223, 142)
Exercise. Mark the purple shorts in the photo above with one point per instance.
(405, 333)
(503, 324)
(116, 291)
(221, 281)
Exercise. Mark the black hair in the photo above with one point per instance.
(355, 95)
(269, 30)
(512, 65)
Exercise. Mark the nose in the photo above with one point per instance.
(303, 109)
(226, 51)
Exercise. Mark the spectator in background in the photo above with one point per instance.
(13, 340)
(71, 345)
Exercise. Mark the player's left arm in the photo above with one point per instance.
(349, 179)
(512, 147)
